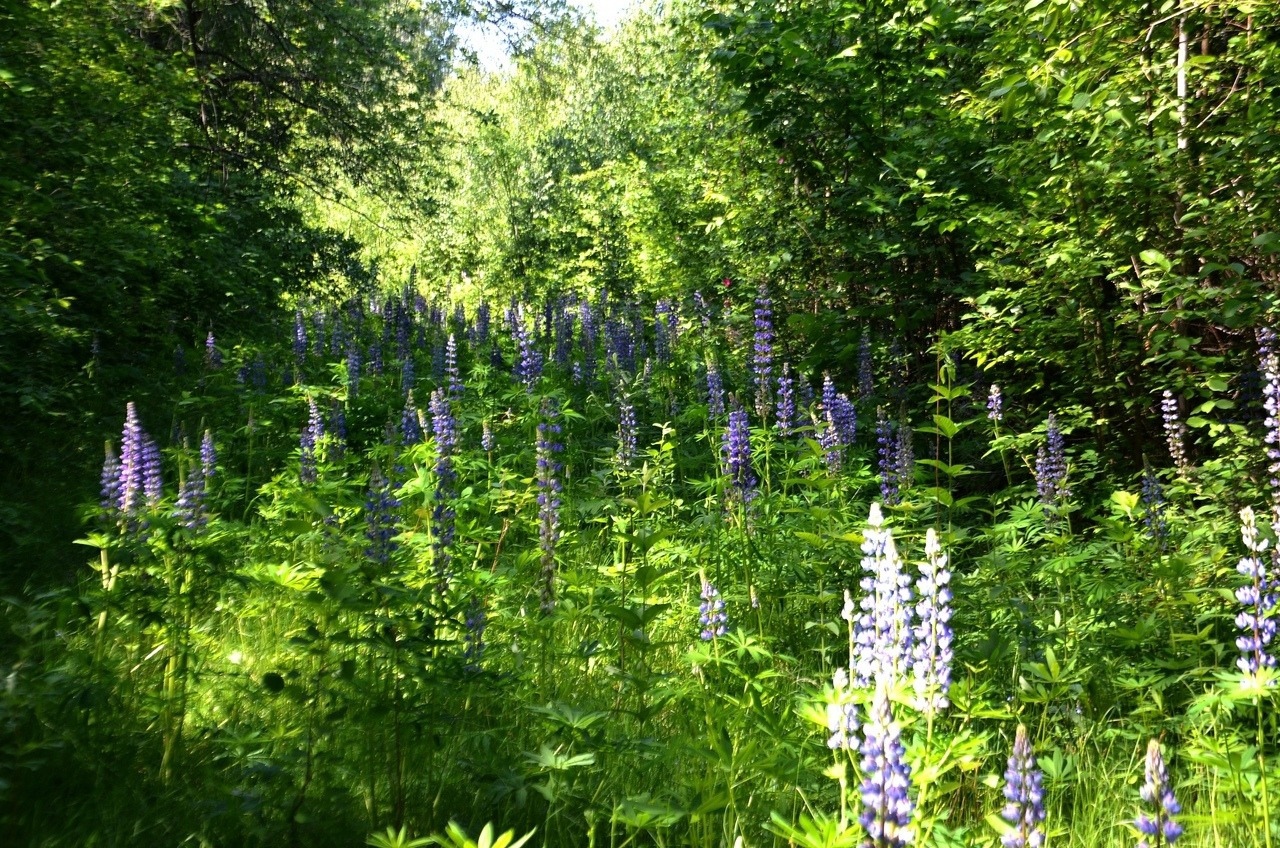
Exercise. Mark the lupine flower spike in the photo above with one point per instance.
(711, 614)
(932, 652)
(1024, 807)
(1156, 822)
(886, 798)
(883, 631)
(1051, 467)
(1258, 599)
(842, 715)
(549, 488)
(1175, 432)
(995, 404)
(1270, 361)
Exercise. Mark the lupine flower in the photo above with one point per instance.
(132, 439)
(995, 404)
(453, 381)
(408, 374)
(1271, 403)
(701, 310)
(1024, 807)
(842, 715)
(735, 450)
(353, 368)
(486, 436)
(111, 484)
(309, 444)
(844, 417)
(711, 614)
(1158, 828)
(1258, 599)
(626, 430)
(317, 337)
(338, 428)
(1153, 512)
(549, 488)
(152, 482)
(410, 428)
(762, 353)
(212, 356)
(1175, 432)
(662, 330)
(886, 798)
(1051, 467)
(866, 379)
(438, 361)
(715, 392)
(483, 312)
(528, 359)
(444, 427)
(883, 630)
(374, 365)
(380, 519)
(190, 510)
(786, 412)
(895, 458)
(299, 337)
(932, 651)
(208, 455)
(587, 316)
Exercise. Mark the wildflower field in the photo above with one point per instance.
(620, 573)
(743, 424)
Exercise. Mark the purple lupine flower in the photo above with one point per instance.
(453, 381)
(353, 367)
(299, 337)
(1158, 828)
(1175, 432)
(711, 614)
(626, 430)
(483, 313)
(883, 630)
(866, 378)
(375, 365)
(1051, 467)
(380, 519)
(486, 436)
(735, 449)
(408, 375)
(111, 484)
(886, 785)
(564, 322)
(715, 391)
(338, 338)
(932, 652)
(338, 428)
(1271, 403)
(190, 508)
(620, 346)
(995, 404)
(444, 428)
(829, 441)
(212, 356)
(1258, 599)
(208, 455)
(317, 335)
(152, 482)
(762, 353)
(1153, 508)
(528, 359)
(842, 715)
(844, 416)
(132, 439)
(664, 329)
(410, 427)
(1024, 809)
(438, 361)
(587, 317)
(895, 458)
(309, 444)
(549, 488)
(786, 412)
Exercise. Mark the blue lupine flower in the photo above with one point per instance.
(473, 638)
(883, 632)
(701, 311)
(408, 375)
(786, 412)
(762, 353)
(1051, 467)
(1158, 827)
(715, 391)
(626, 430)
(1258, 599)
(549, 488)
(299, 337)
(1153, 513)
(866, 379)
(711, 614)
(132, 439)
(410, 426)
(735, 450)
(444, 428)
(337, 429)
(1175, 432)
(842, 715)
(895, 457)
(829, 441)
(587, 316)
(1024, 809)
(152, 482)
(886, 785)
(374, 365)
(380, 519)
(1271, 403)
(453, 381)
(528, 359)
(932, 652)
(483, 312)
(212, 356)
(111, 485)
(995, 404)
(208, 455)
(844, 416)
(353, 367)
(190, 508)
(309, 444)
(486, 436)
